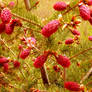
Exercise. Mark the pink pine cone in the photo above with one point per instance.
(25, 53)
(50, 28)
(90, 20)
(6, 67)
(2, 27)
(75, 32)
(16, 22)
(9, 29)
(40, 60)
(11, 4)
(63, 61)
(6, 15)
(69, 41)
(60, 6)
(72, 86)
(90, 38)
(84, 12)
(3, 60)
(16, 64)
(89, 2)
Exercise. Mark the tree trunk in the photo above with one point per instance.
(27, 4)
(44, 76)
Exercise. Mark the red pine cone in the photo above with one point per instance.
(89, 2)
(90, 20)
(72, 86)
(25, 53)
(2, 27)
(75, 32)
(90, 38)
(6, 15)
(16, 22)
(9, 29)
(16, 64)
(56, 68)
(50, 28)
(3, 60)
(40, 60)
(63, 61)
(20, 47)
(6, 67)
(60, 6)
(69, 41)
(84, 12)
(91, 11)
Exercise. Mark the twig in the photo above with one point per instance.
(34, 5)
(70, 9)
(80, 53)
(27, 20)
(17, 2)
(86, 76)
(7, 46)
(64, 77)
(27, 4)
(22, 73)
(29, 28)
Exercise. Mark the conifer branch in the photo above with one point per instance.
(7, 46)
(87, 75)
(70, 9)
(80, 53)
(27, 20)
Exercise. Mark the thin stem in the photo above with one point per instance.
(22, 73)
(86, 76)
(17, 2)
(64, 77)
(34, 5)
(81, 53)
(27, 20)
(70, 9)
(31, 30)
(7, 46)
(27, 4)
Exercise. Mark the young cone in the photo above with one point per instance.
(72, 86)
(6, 67)
(90, 20)
(2, 27)
(40, 60)
(16, 64)
(3, 60)
(25, 53)
(6, 15)
(60, 6)
(90, 38)
(9, 29)
(63, 61)
(84, 12)
(69, 41)
(50, 28)
(75, 32)
(89, 2)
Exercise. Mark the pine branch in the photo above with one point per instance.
(27, 20)
(22, 18)
(70, 9)
(87, 75)
(82, 52)
(7, 46)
